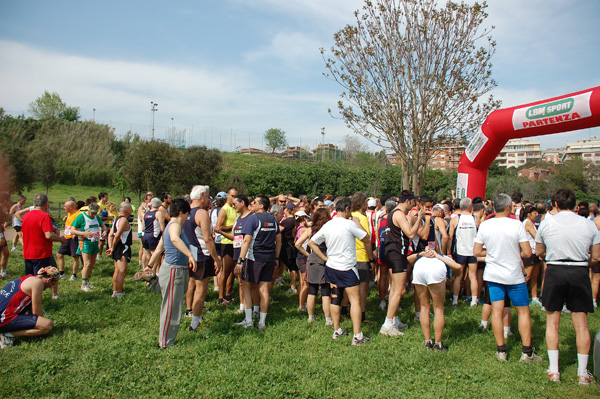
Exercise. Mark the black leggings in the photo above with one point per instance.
(313, 289)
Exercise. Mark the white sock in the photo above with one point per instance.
(263, 318)
(553, 360)
(242, 307)
(388, 322)
(454, 299)
(506, 330)
(248, 315)
(595, 303)
(582, 362)
(484, 323)
(196, 321)
(359, 336)
(311, 317)
(473, 299)
(535, 298)
(328, 319)
(395, 320)
(257, 308)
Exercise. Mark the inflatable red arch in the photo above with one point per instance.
(573, 111)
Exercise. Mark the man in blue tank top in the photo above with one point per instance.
(154, 225)
(198, 231)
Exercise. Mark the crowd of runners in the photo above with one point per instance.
(489, 253)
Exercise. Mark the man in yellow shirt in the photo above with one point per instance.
(225, 221)
(363, 265)
(70, 247)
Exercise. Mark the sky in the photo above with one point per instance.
(228, 70)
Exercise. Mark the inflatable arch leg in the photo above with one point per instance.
(573, 111)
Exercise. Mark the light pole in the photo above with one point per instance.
(323, 145)
(153, 109)
(94, 114)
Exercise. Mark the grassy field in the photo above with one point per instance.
(107, 348)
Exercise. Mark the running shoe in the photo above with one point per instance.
(54, 297)
(429, 344)
(4, 275)
(117, 295)
(565, 310)
(473, 304)
(586, 378)
(144, 275)
(336, 334)
(358, 342)
(390, 331)
(508, 334)
(240, 311)
(255, 314)
(99, 257)
(530, 359)
(328, 323)
(73, 277)
(6, 341)
(262, 326)
(502, 356)
(536, 301)
(245, 324)
(205, 310)
(216, 288)
(188, 313)
(440, 347)
(382, 305)
(401, 325)
(85, 287)
(292, 291)
(554, 377)
(13, 249)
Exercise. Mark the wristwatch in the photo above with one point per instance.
(240, 261)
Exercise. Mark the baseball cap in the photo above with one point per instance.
(371, 203)
(328, 203)
(299, 214)
(290, 205)
(221, 194)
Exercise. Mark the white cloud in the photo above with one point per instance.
(294, 49)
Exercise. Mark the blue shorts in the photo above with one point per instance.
(19, 323)
(342, 279)
(464, 259)
(517, 293)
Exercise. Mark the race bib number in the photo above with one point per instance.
(237, 241)
(67, 230)
(95, 234)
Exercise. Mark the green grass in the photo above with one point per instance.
(106, 348)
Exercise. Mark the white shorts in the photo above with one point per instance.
(428, 271)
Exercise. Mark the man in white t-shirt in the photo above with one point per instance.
(565, 239)
(504, 273)
(339, 236)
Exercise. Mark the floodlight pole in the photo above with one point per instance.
(323, 145)
(153, 109)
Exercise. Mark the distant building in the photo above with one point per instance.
(297, 152)
(518, 152)
(252, 151)
(587, 149)
(536, 173)
(554, 155)
(446, 157)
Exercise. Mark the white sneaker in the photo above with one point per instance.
(216, 289)
(586, 378)
(262, 326)
(328, 323)
(401, 325)
(336, 334)
(85, 287)
(240, 311)
(245, 324)
(554, 377)
(508, 334)
(502, 356)
(13, 249)
(55, 297)
(565, 310)
(117, 295)
(5, 341)
(73, 277)
(473, 304)
(390, 331)
(382, 305)
(99, 257)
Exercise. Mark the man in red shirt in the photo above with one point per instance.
(38, 235)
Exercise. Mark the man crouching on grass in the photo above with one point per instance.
(21, 313)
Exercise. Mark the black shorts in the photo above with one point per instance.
(218, 248)
(17, 228)
(342, 279)
(255, 271)
(122, 250)
(227, 250)
(480, 265)
(19, 323)
(487, 300)
(570, 284)
(596, 268)
(288, 256)
(532, 260)
(364, 272)
(396, 261)
(464, 259)
(70, 247)
(33, 265)
(205, 268)
(150, 243)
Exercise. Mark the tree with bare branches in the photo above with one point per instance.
(413, 76)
